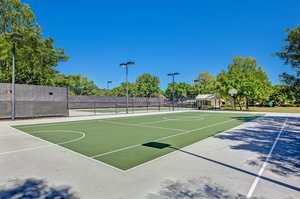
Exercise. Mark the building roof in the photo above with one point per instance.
(207, 97)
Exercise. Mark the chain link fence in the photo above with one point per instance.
(44, 101)
(98, 105)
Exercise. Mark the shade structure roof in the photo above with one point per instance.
(207, 97)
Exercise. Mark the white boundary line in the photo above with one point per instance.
(45, 146)
(97, 161)
(57, 131)
(141, 125)
(51, 124)
(84, 119)
(175, 151)
(165, 119)
(69, 150)
(250, 193)
(78, 122)
(163, 138)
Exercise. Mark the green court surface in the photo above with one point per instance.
(127, 142)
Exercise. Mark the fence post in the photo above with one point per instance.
(132, 99)
(94, 105)
(147, 104)
(68, 108)
(116, 110)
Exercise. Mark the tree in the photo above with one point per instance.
(280, 94)
(147, 85)
(207, 84)
(77, 84)
(36, 57)
(121, 90)
(290, 54)
(182, 90)
(248, 78)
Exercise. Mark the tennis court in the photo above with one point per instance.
(127, 142)
(190, 154)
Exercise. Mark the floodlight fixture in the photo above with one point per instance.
(16, 36)
(127, 64)
(108, 82)
(173, 74)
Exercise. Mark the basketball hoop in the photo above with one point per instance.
(232, 92)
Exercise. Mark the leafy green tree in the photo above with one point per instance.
(77, 84)
(36, 57)
(147, 85)
(207, 84)
(182, 90)
(280, 94)
(290, 54)
(121, 90)
(248, 78)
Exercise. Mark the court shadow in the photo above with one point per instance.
(192, 189)
(157, 145)
(245, 118)
(35, 188)
(259, 138)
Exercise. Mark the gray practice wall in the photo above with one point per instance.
(34, 101)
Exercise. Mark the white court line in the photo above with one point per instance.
(103, 163)
(170, 136)
(52, 124)
(140, 125)
(90, 120)
(57, 131)
(168, 154)
(93, 120)
(175, 119)
(49, 145)
(250, 193)
(27, 149)
(66, 149)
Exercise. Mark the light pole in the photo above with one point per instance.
(108, 82)
(125, 65)
(197, 81)
(14, 37)
(173, 75)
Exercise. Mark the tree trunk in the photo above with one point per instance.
(247, 104)
(239, 102)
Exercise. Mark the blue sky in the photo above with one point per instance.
(163, 36)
